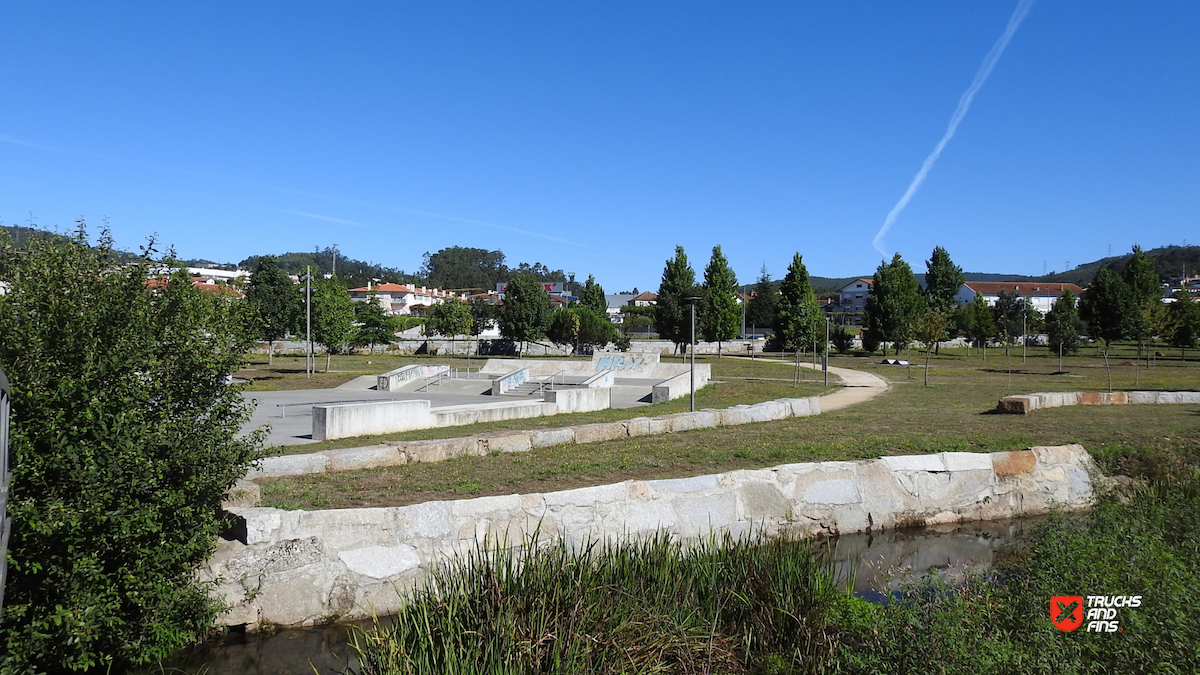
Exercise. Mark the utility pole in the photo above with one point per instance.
(1023, 329)
(308, 350)
(692, 372)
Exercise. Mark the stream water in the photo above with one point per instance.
(880, 562)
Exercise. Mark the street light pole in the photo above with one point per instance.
(692, 371)
(825, 356)
(308, 353)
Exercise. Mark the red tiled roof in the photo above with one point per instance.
(646, 295)
(384, 288)
(1021, 287)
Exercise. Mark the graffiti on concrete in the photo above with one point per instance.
(620, 363)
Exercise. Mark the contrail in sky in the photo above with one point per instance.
(964, 103)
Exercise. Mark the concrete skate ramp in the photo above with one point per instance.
(627, 366)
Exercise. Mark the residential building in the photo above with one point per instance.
(644, 299)
(1040, 294)
(401, 300)
(852, 297)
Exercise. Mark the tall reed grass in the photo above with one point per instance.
(638, 606)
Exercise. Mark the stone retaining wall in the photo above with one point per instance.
(305, 567)
(394, 453)
(1026, 403)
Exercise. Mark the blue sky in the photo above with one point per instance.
(594, 137)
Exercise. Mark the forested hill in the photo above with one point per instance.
(1169, 261)
(457, 267)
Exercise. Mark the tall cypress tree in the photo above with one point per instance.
(894, 303)
(797, 313)
(761, 311)
(943, 280)
(721, 311)
(671, 312)
(592, 297)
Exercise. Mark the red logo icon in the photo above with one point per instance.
(1066, 612)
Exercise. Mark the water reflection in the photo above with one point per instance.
(881, 562)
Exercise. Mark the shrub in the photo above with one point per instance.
(842, 339)
(125, 439)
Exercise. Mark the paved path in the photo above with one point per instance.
(857, 387)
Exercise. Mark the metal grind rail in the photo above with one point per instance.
(549, 382)
(434, 380)
(285, 406)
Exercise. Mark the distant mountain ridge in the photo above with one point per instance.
(1170, 262)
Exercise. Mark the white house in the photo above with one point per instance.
(853, 296)
(1040, 294)
(399, 300)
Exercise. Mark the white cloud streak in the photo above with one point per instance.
(325, 218)
(964, 104)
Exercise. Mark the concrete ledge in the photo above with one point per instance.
(581, 400)
(346, 420)
(307, 567)
(509, 381)
(402, 452)
(604, 378)
(1024, 404)
(394, 379)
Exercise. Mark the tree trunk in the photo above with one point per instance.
(270, 352)
(328, 358)
(1108, 368)
(926, 367)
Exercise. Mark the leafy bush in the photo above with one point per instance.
(842, 339)
(124, 441)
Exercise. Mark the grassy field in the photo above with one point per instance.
(955, 413)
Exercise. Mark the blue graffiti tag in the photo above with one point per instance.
(619, 363)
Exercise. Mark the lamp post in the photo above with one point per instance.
(692, 372)
(825, 356)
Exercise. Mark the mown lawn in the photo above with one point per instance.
(955, 413)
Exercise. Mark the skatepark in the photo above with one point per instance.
(425, 396)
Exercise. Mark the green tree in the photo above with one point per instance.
(275, 302)
(722, 313)
(761, 311)
(462, 268)
(1062, 325)
(671, 312)
(592, 297)
(797, 314)
(450, 318)
(894, 303)
(332, 317)
(1110, 311)
(125, 438)
(526, 310)
(1143, 283)
(1184, 316)
(581, 328)
(375, 327)
(929, 330)
(483, 315)
(943, 280)
(980, 323)
(1015, 316)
